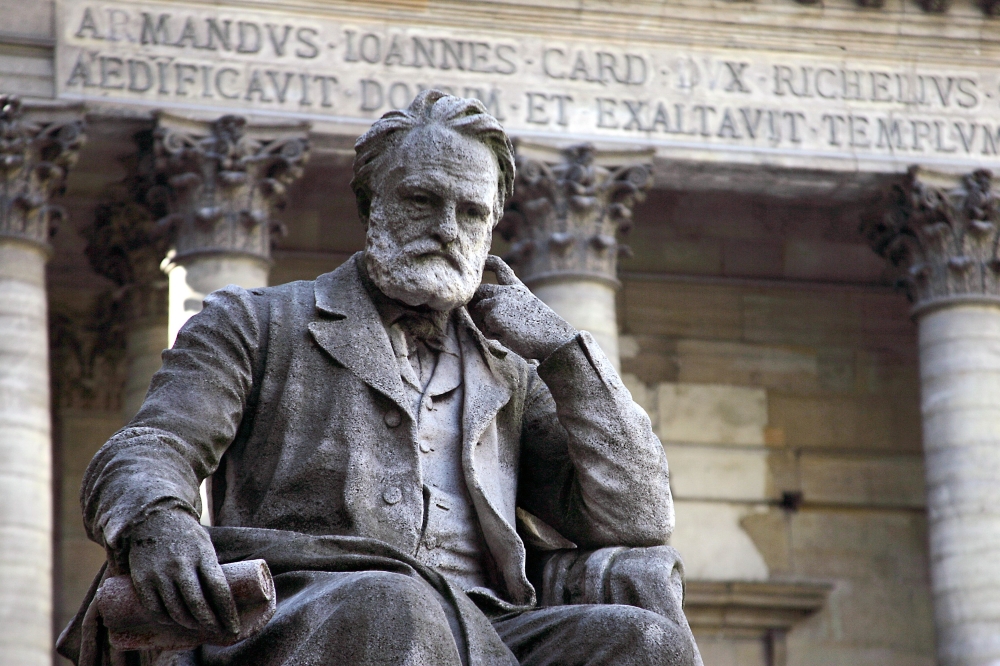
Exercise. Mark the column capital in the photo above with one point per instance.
(35, 157)
(942, 231)
(223, 179)
(124, 241)
(564, 218)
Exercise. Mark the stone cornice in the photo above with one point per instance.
(942, 233)
(565, 216)
(222, 182)
(751, 608)
(35, 157)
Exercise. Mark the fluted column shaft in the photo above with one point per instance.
(563, 222)
(943, 232)
(34, 158)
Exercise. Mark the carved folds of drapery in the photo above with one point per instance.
(222, 182)
(565, 217)
(34, 160)
(942, 232)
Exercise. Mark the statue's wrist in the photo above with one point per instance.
(555, 344)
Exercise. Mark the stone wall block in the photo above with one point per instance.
(713, 544)
(712, 413)
(710, 472)
(869, 481)
(724, 362)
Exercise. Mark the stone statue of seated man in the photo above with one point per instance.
(388, 437)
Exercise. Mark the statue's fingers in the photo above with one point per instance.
(149, 597)
(195, 602)
(485, 291)
(172, 601)
(219, 595)
(505, 274)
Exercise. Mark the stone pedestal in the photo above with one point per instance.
(563, 224)
(34, 158)
(942, 232)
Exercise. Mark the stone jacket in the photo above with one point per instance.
(291, 399)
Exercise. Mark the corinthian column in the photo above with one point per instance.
(943, 233)
(222, 182)
(34, 159)
(563, 222)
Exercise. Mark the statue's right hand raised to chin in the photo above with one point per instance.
(519, 320)
(176, 573)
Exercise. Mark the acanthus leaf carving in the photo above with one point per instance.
(942, 236)
(35, 157)
(222, 185)
(565, 217)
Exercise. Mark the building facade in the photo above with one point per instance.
(776, 216)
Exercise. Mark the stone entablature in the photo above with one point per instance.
(865, 106)
(942, 231)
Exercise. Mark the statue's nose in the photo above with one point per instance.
(446, 229)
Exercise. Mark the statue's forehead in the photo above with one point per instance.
(438, 153)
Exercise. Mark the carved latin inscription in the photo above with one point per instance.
(768, 103)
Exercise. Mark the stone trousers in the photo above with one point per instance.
(383, 618)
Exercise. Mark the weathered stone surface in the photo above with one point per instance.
(35, 155)
(960, 381)
(708, 472)
(941, 233)
(771, 88)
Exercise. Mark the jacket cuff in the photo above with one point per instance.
(576, 361)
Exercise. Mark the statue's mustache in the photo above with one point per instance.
(428, 246)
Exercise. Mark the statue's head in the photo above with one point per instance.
(431, 182)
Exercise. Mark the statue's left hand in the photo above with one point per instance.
(177, 576)
(511, 314)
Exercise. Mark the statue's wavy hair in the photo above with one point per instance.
(467, 117)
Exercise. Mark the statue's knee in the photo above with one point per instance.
(644, 638)
(375, 591)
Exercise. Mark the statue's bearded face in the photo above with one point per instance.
(431, 219)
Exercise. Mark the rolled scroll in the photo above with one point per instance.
(132, 627)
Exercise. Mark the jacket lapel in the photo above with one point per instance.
(489, 379)
(351, 332)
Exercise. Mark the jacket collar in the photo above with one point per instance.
(350, 329)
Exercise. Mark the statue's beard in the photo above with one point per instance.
(423, 272)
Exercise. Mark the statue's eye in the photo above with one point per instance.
(420, 199)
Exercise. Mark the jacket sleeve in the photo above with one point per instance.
(191, 414)
(591, 466)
